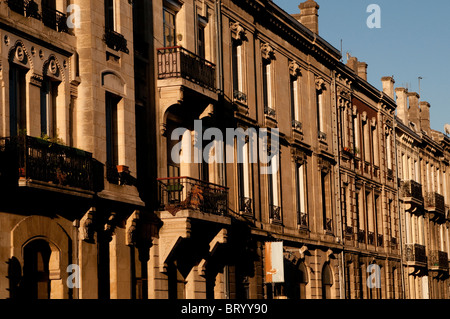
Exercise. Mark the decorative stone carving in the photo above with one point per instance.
(324, 165)
(238, 32)
(268, 53)
(36, 79)
(298, 156)
(320, 84)
(294, 69)
(87, 229)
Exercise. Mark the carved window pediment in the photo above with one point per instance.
(320, 84)
(238, 33)
(298, 156)
(294, 69)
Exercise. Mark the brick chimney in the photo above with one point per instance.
(388, 86)
(352, 63)
(402, 104)
(414, 111)
(425, 117)
(309, 15)
(362, 70)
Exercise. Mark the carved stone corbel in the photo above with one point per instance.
(294, 69)
(238, 32)
(87, 227)
(320, 84)
(267, 52)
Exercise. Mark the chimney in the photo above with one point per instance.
(362, 70)
(402, 105)
(309, 15)
(388, 86)
(352, 63)
(425, 117)
(414, 111)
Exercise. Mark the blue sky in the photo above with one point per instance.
(413, 41)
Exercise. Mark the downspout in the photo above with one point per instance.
(398, 208)
(219, 79)
(342, 268)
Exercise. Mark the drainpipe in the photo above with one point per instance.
(399, 212)
(342, 268)
(219, 45)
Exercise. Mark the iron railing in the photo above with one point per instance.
(371, 237)
(54, 19)
(361, 236)
(415, 253)
(116, 41)
(180, 193)
(411, 189)
(36, 159)
(245, 205)
(435, 202)
(17, 6)
(349, 230)
(328, 226)
(270, 112)
(275, 213)
(380, 240)
(32, 9)
(176, 62)
(302, 220)
(239, 96)
(438, 260)
(297, 125)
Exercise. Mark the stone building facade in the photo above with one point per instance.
(113, 132)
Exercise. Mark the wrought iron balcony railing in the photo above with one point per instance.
(322, 136)
(435, 202)
(380, 240)
(17, 6)
(411, 189)
(415, 254)
(349, 230)
(177, 62)
(297, 125)
(275, 213)
(302, 220)
(54, 19)
(181, 193)
(390, 174)
(116, 41)
(438, 260)
(239, 96)
(35, 159)
(361, 236)
(328, 226)
(32, 9)
(245, 205)
(270, 112)
(371, 237)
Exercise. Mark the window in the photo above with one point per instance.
(356, 138)
(376, 159)
(201, 46)
(112, 140)
(389, 151)
(378, 220)
(110, 20)
(49, 94)
(17, 100)
(36, 273)
(169, 28)
(370, 218)
(366, 136)
(245, 201)
(295, 107)
(327, 281)
(267, 85)
(273, 184)
(320, 111)
(302, 209)
(326, 201)
(238, 75)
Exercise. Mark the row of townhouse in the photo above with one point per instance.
(100, 201)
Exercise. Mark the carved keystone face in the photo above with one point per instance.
(20, 54)
(52, 67)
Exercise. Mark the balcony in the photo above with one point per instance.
(177, 62)
(302, 220)
(361, 236)
(275, 214)
(328, 225)
(245, 206)
(411, 191)
(438, 260)
(54, 19)
(371, 238)
(435, 203)
(186, 193)
(36, 162)
(380, 240)
(119, 175)
(270, 112)
(415, 255)
(116, 41)
(238, 96)
(17, 6)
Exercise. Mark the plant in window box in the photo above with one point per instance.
(356, 151)
(348, 151)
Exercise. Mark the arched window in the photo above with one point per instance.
(327, 281)
(303, 280)
(36, 274)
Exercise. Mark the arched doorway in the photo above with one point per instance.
(36, 273)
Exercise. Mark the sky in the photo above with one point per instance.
(413, 41)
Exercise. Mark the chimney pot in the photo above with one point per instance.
(414, 111)
(425, 117)
(388, 86)
(309, 15)
(402, 104)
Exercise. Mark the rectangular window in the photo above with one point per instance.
(17, 100)
(302, 209)
(169, 28)
(244, 180)
(376, 159)
(112, 139)
(320, 119)
(267, 85)
(356, 135)
(295, 108)
(110, 19)
(273, 183)
(237, 65)
(326, 201)
(201, 47)
(49, 93)
(389, 151)
(378, 216)
(366, 137)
